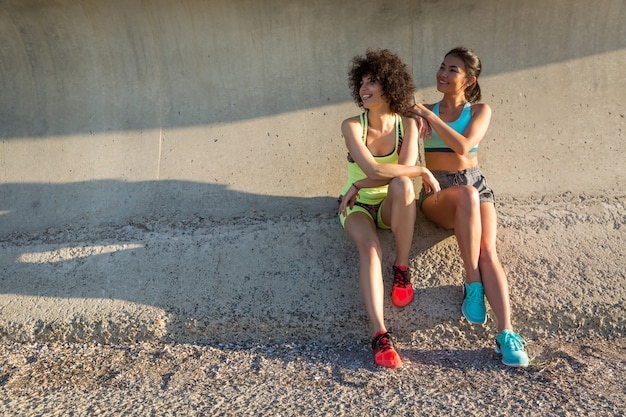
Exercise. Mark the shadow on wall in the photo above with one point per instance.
(110, 201)
(84, 67)
(197, 278)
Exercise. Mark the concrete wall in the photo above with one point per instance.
(221, 109)
(169, 169)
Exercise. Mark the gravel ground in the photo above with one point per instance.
(566, 378)
(79, 338)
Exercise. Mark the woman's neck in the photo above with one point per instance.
(453, 101)
(382, 120)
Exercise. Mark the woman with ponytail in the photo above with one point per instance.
(466, 203)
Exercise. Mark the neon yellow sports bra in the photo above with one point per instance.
(355, 173)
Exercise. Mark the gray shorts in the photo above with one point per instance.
(472, 176)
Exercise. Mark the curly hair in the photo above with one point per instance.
(387, 68)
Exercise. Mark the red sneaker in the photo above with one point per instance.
(402, 291)
(384, 351)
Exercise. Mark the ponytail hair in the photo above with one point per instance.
(473, 94)
(473, 67)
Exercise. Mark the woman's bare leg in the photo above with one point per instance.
(494, 278)
(399, 212)
(362, 231)
(459, 209)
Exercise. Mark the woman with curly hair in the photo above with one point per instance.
(466, 203)
(382, 152)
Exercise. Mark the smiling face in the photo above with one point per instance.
(452, 77)
(381, 78)
(371, 92)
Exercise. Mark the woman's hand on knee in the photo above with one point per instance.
(431, 184)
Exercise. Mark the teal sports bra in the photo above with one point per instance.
(436, 144)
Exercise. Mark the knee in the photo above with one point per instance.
(369, 249)
(468, 198)
(402, 187)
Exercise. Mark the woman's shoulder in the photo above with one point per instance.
(351, 124)
(479, 108)
(353, 119)
(408, 119)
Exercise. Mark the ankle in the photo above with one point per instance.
(378, 333)
(501, 329)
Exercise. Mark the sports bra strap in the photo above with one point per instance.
(364, 123)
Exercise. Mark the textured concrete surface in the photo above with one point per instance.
(293, 279)
(131, 107)
(168, 170)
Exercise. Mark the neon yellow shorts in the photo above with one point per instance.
(372, 210)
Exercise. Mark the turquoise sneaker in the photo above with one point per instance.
(511, 346)
(473, 307)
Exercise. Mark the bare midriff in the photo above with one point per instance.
(448, 161)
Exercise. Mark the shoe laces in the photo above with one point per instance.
(512, 341)
(400, 278)
(383, 342)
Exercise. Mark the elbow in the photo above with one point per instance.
(463, 150)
